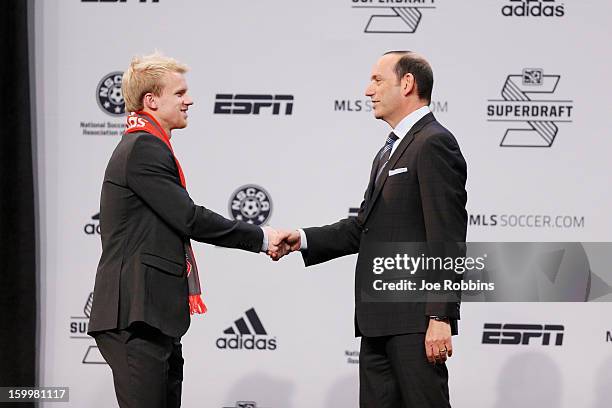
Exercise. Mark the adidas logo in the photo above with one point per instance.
(246, 334)
(93, 228)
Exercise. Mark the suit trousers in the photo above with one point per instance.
(394, 373)
(147, 366)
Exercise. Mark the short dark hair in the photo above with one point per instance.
(416, 65)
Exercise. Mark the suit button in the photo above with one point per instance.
(365, 230)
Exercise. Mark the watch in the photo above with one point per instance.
(439, 318)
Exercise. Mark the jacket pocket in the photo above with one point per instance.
(162, 264)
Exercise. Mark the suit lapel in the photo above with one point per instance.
(372, 176)
(406, 140)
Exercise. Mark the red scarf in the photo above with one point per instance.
(143, 122)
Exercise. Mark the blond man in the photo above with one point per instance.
(147, 282)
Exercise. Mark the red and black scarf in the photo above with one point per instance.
(143, 122)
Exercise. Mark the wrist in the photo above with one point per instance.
(265, 239)
(303, 244)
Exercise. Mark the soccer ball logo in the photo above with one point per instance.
(109, 94)
(251, 204)
(250, 207)
(115, 95)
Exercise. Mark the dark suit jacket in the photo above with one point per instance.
(145, 217)
(424, 204)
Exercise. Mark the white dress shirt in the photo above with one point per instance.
(406, 124)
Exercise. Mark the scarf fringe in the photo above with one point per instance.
(196, 305)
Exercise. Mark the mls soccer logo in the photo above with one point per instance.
(251, 204)
(109, 94)
(533, 76)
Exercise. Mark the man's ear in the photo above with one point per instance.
(407, 84)
(149, 101)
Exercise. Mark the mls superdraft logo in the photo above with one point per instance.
(396, 16)
(247, 333)
(93, 226)
(251, 204)
(533, 8)
(253, 104)
(523, 334)
(78, 331)
(109, 94)
(529, 98)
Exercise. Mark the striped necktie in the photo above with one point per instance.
(385, 154)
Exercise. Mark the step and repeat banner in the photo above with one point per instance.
(282, 134)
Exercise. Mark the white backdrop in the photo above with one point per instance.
(314, 163)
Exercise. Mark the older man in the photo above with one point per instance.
(416, 193)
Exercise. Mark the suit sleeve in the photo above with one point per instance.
(341, 238)
(152, 174)
(332, 241)
(442, 173)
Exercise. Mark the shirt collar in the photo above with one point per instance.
(409, 121)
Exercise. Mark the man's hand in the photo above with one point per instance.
(282, 242)
(277, 247)
(294, 240)
(438, 343)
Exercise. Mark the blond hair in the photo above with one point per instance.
(145, 75)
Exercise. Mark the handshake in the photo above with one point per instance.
(282, 242)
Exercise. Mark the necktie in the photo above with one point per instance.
(385, 154)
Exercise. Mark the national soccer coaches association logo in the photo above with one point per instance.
(526, 98)
(251, 204)
(109, 94)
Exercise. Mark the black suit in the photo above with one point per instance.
(426, 203)
(145, 218)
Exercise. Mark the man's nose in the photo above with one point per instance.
(369, 90)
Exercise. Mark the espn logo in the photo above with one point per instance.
(511, 333)
(252, 104)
